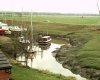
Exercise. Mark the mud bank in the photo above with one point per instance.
(66, 55)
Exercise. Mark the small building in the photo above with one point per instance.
(5, 67)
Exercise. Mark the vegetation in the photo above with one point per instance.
(88, 54)
(22, 73)
(63, 19)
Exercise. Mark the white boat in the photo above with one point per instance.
(44, 47)
(44, 40)
(15, 28)
(23, 40)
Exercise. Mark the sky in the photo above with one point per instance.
(53, 6)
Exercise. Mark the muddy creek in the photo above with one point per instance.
(43, 60)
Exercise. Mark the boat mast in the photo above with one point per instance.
(12, 18)
(2, 16)
(31, 35)
(98, 7)
(5, 17)
(31, 32)
(22, 23)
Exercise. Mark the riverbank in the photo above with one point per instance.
(82, 55)
(20, 72)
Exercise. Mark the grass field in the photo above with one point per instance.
(63, 19)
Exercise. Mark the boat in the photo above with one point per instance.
(15, 28)
(2, 32)
(23, 40)
(30, 36)
(44, 40)
(44, 47)
(4, 28)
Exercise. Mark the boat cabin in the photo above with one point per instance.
(44, 40)
(23, 40)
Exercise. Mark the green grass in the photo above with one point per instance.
(22, 73)
(91, 62)
(59, 41)
(58, 24)
(89, 53)
(63, 19)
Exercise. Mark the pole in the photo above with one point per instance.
(98, 7)
(31, 35)
(5, 17)
(12, 19)
(22, 23)
(31, 31)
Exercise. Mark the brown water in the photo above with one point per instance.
(43, 60)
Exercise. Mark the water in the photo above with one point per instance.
(43, 60)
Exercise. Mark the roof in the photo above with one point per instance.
(46, 37)
(15, 28)
(3, 24)
(4, 64)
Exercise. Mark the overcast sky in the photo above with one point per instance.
(62, 6)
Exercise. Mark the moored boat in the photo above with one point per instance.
(44, 40)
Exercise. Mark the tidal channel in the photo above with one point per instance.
(43, 60)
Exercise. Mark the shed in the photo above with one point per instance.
(5, 67)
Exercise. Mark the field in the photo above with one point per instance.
(86, 28)
(55, 24)
(63, 19)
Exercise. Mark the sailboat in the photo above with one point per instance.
(23, 37)
(30, 47)
(98, 7)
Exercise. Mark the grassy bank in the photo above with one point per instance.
(22, 73)
(88, 54)
(83, 56)
(87, 49)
